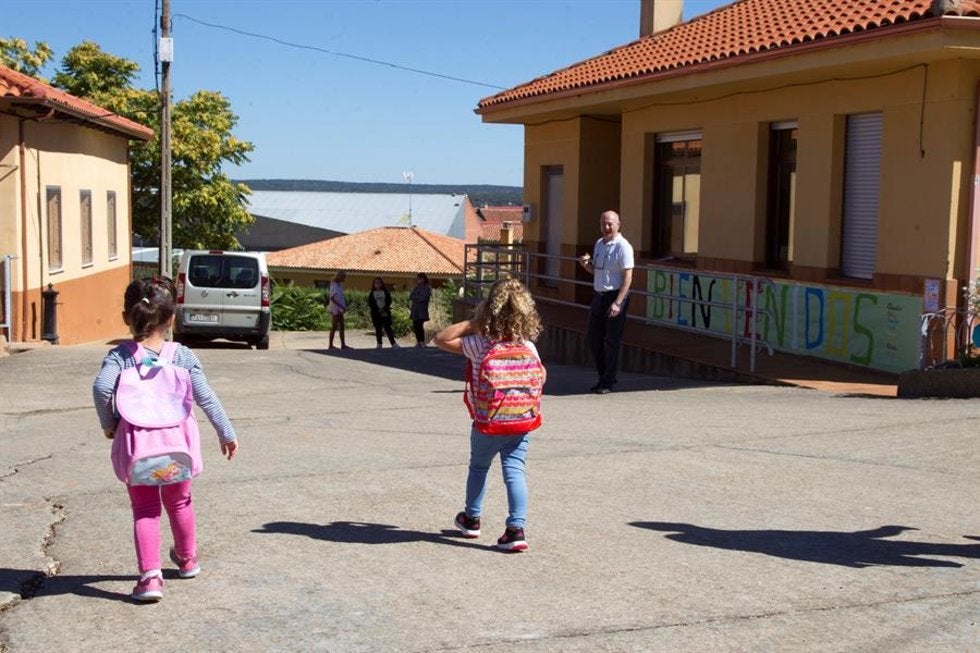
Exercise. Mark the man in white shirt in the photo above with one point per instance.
(611, 267)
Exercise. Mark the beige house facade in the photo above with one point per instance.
(65, 216)
(833, 153)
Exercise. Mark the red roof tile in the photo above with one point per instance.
(386, 249)
(18, 88)
(494, 218)
(741, 28)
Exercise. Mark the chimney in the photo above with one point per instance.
(658, 15)
(942, 7)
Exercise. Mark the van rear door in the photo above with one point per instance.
(203, 294)
(242, 294)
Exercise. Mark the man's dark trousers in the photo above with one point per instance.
(605, 335)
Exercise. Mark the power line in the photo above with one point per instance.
(334, 53)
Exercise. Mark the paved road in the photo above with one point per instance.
(670, 516)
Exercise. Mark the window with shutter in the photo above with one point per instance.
(54, 228)
(862, 183)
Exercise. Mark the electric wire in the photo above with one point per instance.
(336, 53)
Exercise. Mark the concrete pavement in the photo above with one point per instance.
(669, 516)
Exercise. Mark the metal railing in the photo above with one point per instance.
(542, 274)
(945, 335)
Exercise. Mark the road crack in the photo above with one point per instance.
(17, 466)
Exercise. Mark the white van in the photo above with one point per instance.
(223, 295)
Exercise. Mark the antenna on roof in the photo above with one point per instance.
(409, 176)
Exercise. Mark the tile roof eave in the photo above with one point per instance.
(113, 122)
(960, 22)
(350, 270)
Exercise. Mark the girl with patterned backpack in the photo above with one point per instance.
(144, 396)
(504, 381)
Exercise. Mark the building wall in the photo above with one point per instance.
(550, 145)
(924, 197)
(72, 158)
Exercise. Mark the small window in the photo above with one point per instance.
(781, 195)
(85, 212)
(319, 284)
(55, 255)
(111, 226)
(677, 193)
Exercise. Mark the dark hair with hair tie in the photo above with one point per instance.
(148, 305)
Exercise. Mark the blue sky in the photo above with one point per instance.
(315, 115)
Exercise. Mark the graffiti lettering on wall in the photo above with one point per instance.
(878, 330)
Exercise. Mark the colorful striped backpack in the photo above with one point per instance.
(507, 397)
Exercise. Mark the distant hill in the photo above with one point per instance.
(480, 194)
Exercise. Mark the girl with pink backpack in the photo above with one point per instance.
(144, 396)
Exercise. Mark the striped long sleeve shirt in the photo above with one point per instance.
(119, 359)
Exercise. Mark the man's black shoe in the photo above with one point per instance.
(599, 389)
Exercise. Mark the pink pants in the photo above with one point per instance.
(146, 501)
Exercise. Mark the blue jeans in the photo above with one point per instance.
(513, 451)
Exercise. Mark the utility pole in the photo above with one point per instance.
(409, 176)
(166, 53)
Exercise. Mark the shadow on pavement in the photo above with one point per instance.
(858, 549)
(563, 380)
(353, 532)
(29, 584)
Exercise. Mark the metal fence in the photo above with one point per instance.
(551, 279)
(947, 336)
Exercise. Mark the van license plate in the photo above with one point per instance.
(202, 317)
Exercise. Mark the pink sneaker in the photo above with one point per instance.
(187, 568)
(149, 590)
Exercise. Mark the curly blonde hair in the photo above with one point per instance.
(508, 313)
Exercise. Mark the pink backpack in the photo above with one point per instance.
(507, 396)
(157, 440)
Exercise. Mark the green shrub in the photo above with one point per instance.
(298, 309)
(443, 299)
(401, 320)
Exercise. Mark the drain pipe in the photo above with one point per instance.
(24, 303)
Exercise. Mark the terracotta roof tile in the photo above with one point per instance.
(16, 86)
(386, 249)
(741, 28)
(493, 218)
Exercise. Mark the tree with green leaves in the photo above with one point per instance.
(15, 54)
(208, 208)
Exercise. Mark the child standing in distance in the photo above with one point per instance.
(419, 309)
(149, 313)
(507, 314)
(337, 305)
(379, 302)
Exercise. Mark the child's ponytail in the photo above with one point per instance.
(148, 304)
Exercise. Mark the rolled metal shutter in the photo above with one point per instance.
(862, 185)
